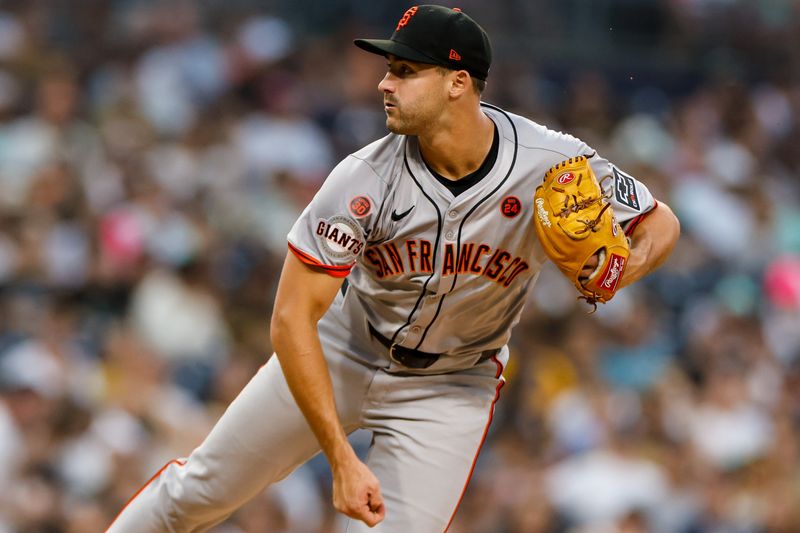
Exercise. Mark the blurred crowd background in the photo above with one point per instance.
(153, 155)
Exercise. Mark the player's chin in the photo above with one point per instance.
(401, 127)
(396, 126)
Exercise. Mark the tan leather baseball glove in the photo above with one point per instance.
(574, 221)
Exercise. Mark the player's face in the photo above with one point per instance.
(414, 96)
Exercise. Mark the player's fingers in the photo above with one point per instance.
(366, 508)
(372, 511)
(376, 503)
(369, 514)
(589, 267)
(375, 500)
(374, 517)
(373, 520)
(380, 512)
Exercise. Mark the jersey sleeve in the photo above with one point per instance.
(630, 199)
(331, 232)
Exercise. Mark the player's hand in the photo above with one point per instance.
(357, 493)
(589, 268)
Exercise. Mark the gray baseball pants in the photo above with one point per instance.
(427, 432)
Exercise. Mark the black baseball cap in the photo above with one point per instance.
(437, 35)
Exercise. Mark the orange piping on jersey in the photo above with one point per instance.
(636, 221)
(156, 476)
(335, 271)
(483, 438)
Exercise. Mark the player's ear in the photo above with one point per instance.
(460, 82)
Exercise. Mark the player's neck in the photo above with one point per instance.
(459, 147)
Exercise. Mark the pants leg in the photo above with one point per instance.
(259, 440)
(428, 431)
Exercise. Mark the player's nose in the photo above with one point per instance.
(386, 85)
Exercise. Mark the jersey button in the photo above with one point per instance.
(449, 235)
(452, 214)
(415, 329)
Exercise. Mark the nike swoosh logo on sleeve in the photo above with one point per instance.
(402, 215)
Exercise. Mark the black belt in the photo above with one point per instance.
(415, 358)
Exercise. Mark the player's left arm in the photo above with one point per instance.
(652, 240)
(650, 224)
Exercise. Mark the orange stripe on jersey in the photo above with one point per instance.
(333, 270)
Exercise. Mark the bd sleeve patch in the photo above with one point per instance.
(625, 189)
(340, 237)
(360, 206)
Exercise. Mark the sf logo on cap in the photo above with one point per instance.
(406, 17)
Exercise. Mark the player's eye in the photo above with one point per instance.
(400, 70)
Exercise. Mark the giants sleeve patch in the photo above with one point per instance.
(625, 187)
(340, 237)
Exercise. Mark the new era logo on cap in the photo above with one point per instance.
(454, 56)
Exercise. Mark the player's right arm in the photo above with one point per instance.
(304, 295)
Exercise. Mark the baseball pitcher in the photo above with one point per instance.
(403, 280)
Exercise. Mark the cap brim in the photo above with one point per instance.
(384, 47)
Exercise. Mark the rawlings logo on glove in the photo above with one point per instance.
(574, 223)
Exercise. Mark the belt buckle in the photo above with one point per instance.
(398, 357)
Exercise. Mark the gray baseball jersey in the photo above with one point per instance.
(435, 272)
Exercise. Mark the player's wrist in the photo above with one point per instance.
(342, 457)
(637, 263)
